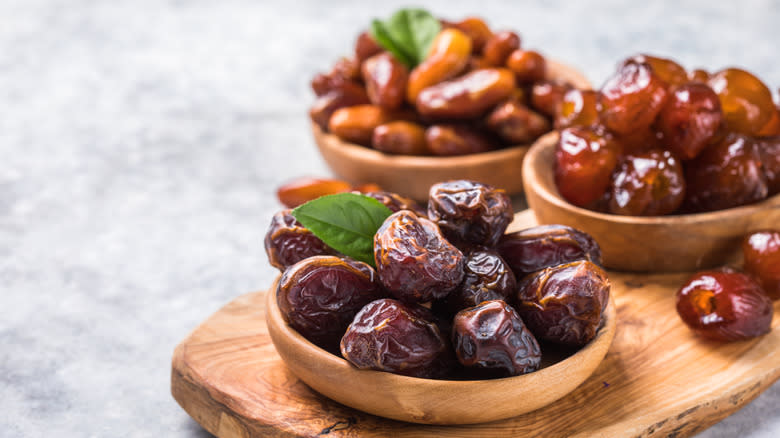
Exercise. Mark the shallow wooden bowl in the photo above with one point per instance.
(412, 176)
(429, 401)
(645, 244)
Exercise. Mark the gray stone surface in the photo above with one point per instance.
(140, 145)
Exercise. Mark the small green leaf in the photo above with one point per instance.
(346, 222)
(408, 34)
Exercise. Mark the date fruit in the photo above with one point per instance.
(449, 54)
(632, 98)
(301, 190)
(468, 96)
(564, 304)
(762, 259)
(287, 242)
(578, 107)
(647, 184)
(724, 305)
(492, 337)
(450, 140)
(534, 249)
(469, 212)
(499, 46)
(319, 296)
(414, 260)
(487, 277)
(400, 137)
(349, 94)
(746, 102)
(396, 202)
(387, 335)
(546, 96)
(515, 123)
(385, 79)
(528, 66)
(584, 160)
(689, 119)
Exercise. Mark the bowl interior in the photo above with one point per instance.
(437, 401)
(671, 243)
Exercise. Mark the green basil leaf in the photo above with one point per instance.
(382, 36)
(414, 30)
(407, 35)
(346, 222)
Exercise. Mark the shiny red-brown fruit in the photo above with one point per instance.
(387, 335)
(667, 70)
(491, 337)
(647, 184)
(579, 107)
(584, 160)
(564, 303)
(762, 259)
(320, 295)
(726, 174)
(689, 119)
(287, 242)
(546, 96)
(746, 102)
(724, 305)
(769, 150)
(632, 98)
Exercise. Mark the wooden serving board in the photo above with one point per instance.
(657, 379)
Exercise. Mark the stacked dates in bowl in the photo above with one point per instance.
(440, 293)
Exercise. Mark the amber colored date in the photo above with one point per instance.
(477, 30)
(536, 248)
(287, 242)
(385, 79)
(492, 337)
(320, 295)
(387, 335)
(546, 96)
(632, 98)
(528, 66)
(515, 123)
(647, 184)
(450, 139)
(487, 277)
(400, 137)
(469, 212)
(449, 54)
(366, 47)
(578, 107)
(584, 160)
(414, 260)
(667, 70)
(762, 259)
(356, 124)
(348, 94)
(746, 102)
(724, 305)
(564, 303)
(468, 96)
(302, 190)
(499, 46)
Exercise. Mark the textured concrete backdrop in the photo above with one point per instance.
(140, 145)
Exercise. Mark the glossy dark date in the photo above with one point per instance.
(487, 277)
(287, 242)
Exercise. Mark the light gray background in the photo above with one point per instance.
(140, 146)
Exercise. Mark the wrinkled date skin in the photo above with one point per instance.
(564, 303)
(746, 102)
(584, 160)
(320, 295)
(400, 137)
(449, 140)
(468, 96)
(724, 305)
(414, 260)
(491, 336)
(647, 184)
(387, 335)
(726, 174)
(469, 212)
(499, 46)
(515, 123)
(449, 54)
(396, 202)
(546, 96)
(385, 79)
(578, 107)
(762, 259)
(632, 98)
(528, 66)
(287, 242)
(487, 277)
(349, 94)
(536, 248)
(689, 119)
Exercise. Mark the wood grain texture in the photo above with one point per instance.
(645, 244)
(657, 379)
(412, 176)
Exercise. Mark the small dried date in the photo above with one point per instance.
(387, 335)
(724, 305)
(287, 242)
(487, 277)
(564, 304)
(536, 248)
(320, 295)
(492, 337)
(414, 260)
(469, 212)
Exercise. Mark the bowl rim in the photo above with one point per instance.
(604, 335)
(534, 181)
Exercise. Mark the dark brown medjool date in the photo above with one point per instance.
(536, 248)
(469, 212)
(287, 241)
(487, 277)
(491, 336)
(320, 295)
(388, 335)
(414, 260)
(564, 303)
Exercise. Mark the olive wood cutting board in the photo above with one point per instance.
(657, 379)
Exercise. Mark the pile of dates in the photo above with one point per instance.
(452, 295)
(657, 139)
(476, 91)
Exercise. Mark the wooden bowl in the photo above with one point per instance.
(430, 401)
(645, 244)
(412, 176)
